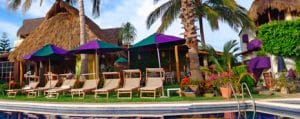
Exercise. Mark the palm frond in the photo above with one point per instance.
(127, 33)
(157, 13)
(71, 2)
(41, 2)
(26, 5)
(156, 1)
(96, 7)
(14, 4)
(211, 15)
(212, 57)
(169, 16)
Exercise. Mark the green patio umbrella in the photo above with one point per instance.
(121, 60)
(156, 41)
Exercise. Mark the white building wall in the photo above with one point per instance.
(290, 63)
(17, 42)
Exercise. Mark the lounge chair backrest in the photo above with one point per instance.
(90, 84)
(33, 85)
(72, 82)
(68, 83)
(132, 82)
(111, 83)
(132, 78)
(154, 82)
(155, 73)
(51, 84)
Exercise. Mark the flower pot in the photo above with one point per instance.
(229, 115)
(284, 90)
(193, 87)
(189, 94)
(226, 92)
(208, 94)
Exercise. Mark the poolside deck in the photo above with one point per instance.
(155, 109)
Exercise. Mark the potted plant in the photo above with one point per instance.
(207, 87)
(283, 84)
(225, 79)
(189, 87)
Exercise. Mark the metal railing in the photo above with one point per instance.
(244, 85)
(236, 99)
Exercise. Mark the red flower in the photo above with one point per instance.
(185, 81)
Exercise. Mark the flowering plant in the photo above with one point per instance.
(189, 85)
(222, 79)
(206, 86)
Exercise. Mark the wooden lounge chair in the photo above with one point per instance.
(88, 86)
(132, 79)
(154, 82)
(36, 92)
(13, 92)
(111, 82)
(66, 86)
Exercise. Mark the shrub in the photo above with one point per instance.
(281, 38)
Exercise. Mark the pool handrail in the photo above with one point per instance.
(236, 99)
(251, 97)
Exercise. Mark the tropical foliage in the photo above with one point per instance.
(222, 73)
(213, 11)
(228, 58)
(244, 76)
(127, 33)
(281, 38)
(15, 4)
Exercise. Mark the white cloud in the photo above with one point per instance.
(37, 10)
(135, 12)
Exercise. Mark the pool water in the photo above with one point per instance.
(225, 115)
(230, 115)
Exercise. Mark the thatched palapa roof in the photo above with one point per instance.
(61, 28)
(28, 26)
(259, 7)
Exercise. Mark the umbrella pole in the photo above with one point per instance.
(158, 57)
(49, 72)
(96, 66)
(160, 73)
(49, 66)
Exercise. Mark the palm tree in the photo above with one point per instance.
(229, 56)
(15, 4)
(96, 13)
(213, 10)
(127, 34)
(188, 18)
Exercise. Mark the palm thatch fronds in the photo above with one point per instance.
(61, 28)
(259, 7)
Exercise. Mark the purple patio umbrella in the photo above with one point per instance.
(96, 46)
(157, 41)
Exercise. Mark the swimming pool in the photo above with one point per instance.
(151, 110)
(225, 115)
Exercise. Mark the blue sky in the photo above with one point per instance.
(113, 14)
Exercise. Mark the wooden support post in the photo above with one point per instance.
(21, 74)
(177, 64)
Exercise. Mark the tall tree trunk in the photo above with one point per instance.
(188, 19)
(198, 3)
(83, 57)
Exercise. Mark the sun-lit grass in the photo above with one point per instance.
(113, 99)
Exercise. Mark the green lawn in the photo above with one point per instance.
(113, 98)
